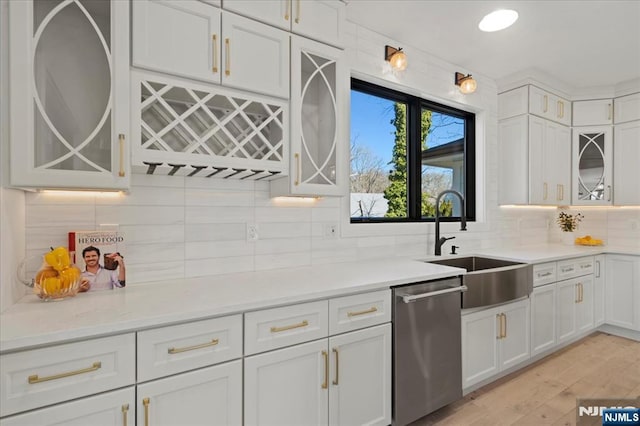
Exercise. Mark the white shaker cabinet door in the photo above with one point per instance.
(479, 348)
(288, 386)
(626, 158)
(514, 345)
(566, 301)
(255, 56)
(177, 37)
(211, 396)
(622, 298)
(360, 377)
(115, 408)
(543, 318)
(272, 12)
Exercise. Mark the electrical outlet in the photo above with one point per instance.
(252, 233)
(330, 230)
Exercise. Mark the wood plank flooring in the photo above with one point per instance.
(598, 366)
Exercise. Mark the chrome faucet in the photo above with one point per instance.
(463, 220)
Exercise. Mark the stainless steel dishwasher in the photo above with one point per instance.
(427, 357)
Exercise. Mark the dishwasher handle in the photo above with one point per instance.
(413, 297)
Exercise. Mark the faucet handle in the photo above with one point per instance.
(453, 249)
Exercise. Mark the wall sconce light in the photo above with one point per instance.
(466, 82)
(396, 57)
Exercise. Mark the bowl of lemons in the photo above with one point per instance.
(588, 240)
(57, 278)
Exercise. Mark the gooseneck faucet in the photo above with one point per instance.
(463, 220)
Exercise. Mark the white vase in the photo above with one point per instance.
(568, 238)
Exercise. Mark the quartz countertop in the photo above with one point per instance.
(32, 322)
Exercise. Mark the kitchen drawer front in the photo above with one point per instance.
(275, 328)
(358, 311)
(39, 377)
(174, 349)
(575, 267)
(544, 273)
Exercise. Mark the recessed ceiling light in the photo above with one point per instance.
(498, 20)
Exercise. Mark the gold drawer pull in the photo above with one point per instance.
(213, 342)
(214, 43)
(125, 412)
(289, 327)
(35, 379)
(335, 351)
(325, 355)
(366, 311)
(146, 403)
(121, 157)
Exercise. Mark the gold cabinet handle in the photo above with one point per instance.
(298, 169)
(581, 292)
(545, 191)
(577, 293)
(499, 318)
(610, 110)
(146, 403)
(287, 8)
(504, 316)
(35, 379)
(325, 384)
(366, 311)
(546, 104)
(227, 59)
(213, 342)
(121, 143)
(125, 411)
(335, 351)
(289, 327)
(560, 109)
(214, 41)
(297, 11)
(609, 197)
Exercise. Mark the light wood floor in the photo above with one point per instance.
(544, 393)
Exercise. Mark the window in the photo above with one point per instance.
(405, 151)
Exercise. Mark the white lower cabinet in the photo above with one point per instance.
(494, 340)
(543, 318)
(622, 298)
(116, 408)
(574, 307)
(211, 396)
(345, 380)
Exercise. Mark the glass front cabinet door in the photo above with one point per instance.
(318, 118)
(69, 108)
(592, 166)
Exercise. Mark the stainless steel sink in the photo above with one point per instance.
(491, 281)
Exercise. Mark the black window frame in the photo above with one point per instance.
(415, 104)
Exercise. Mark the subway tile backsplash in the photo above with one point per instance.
(180, 227)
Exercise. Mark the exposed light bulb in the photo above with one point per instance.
(469, 85)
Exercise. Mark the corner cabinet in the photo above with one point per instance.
(318, 122)
(69, 91)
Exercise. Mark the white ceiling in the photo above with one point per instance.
(583, 44)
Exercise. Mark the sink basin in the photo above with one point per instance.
(491, 281)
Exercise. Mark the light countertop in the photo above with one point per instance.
(32, 322)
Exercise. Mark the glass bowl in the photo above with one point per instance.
(52, 284)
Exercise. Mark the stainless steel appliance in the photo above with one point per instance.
(427, 353)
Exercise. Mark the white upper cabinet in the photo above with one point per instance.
(549, 162)
(69, 90)
(192, 39)
(626, 108)
(177, 37)
(593, 112)
(318, 124)
(322, 20)
(592, 166)
(547, 105)
(626, 164)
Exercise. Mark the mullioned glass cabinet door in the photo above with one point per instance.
(592, 166)
(69, 85)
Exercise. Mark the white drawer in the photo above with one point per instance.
(359, 311)
(274, 328)
(174, 349)
(544, 273)
(39, 377)
(575, 267)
